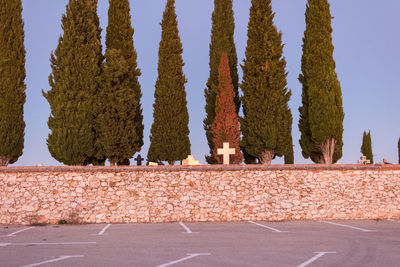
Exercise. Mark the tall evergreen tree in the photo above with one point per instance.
(321, 116)
(289, 156)
(366, 147)
(267, 121)
(170, 133)
(12, 85)
(225, 127)
(223, 27)
(75, 82)
(398, 148)
(120, 117)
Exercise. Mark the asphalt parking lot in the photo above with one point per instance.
(297, 244)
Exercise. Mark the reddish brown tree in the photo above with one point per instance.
(225, 127)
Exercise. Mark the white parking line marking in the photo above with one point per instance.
(54, 260)
(46, 244)
(13, 234)
(104, 229)
(187, 229)
(348, 226)
(190, 256)
(270, 228)
(316, 257)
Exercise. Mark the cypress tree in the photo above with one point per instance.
(289, 156)
(170, 133)
(371, 155)
(366, 147)
(225, 127)
(321, 116)
(75, 82)
(223, 27)
(267, 121)
(12, 85)
(398, 148)
(120, 118)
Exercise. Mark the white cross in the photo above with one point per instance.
(226, 152)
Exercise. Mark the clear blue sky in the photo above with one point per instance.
(367, 53)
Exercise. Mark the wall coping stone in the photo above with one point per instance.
(199, 168)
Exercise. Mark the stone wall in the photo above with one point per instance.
(30, 195)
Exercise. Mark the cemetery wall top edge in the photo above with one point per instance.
(200, 168)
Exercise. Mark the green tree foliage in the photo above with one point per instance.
(75, 82)
(267, 121)
(170, 133)
(248, 159)
(398, 148)
(120, 117)
(289, 156)
(12, 85)
(223, 27)
(225, 127)
(321, 116)
(366, 147)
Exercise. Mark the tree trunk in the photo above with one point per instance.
(172, 162)
(266, 157)
(327, 150)
(4, 160)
